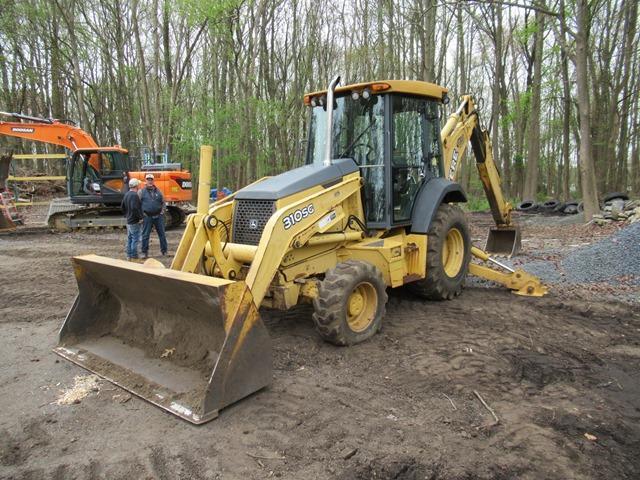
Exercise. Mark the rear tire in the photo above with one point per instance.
(448, 255)
(350, 303)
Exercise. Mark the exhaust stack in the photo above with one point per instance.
(328, 152)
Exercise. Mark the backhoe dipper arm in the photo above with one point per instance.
(463, 127)
(47, 131)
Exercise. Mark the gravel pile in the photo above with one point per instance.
(613, 260)
(607, 260)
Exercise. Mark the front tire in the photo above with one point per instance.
(350, 303)
(448, 255)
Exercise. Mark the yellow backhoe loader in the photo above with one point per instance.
(371, 209)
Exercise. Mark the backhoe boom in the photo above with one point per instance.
(462, 128)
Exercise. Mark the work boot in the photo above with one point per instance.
(145, 255)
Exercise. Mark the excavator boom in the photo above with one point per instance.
(47, 130)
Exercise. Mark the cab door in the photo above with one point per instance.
(96, 177)
(83, 181)
(415, 151)
(112, 171)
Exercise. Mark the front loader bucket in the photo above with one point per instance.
(503, 241)
(191, 344)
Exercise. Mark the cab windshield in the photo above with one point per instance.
(358, 133)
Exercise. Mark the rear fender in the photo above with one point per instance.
(433, 193)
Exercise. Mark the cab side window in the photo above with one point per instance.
(415, 150)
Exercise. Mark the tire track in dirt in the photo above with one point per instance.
(157, 463)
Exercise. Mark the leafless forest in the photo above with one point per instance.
(559, 78)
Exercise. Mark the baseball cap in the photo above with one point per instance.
(148, 175)
(134, 182)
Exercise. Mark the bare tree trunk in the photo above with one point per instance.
(631, 18)
(497, 74)
(57, 84)
(462, 86)
(533, 154)
(566, 102)
(75, 61)
(429, 41)
(146, 108)
(587, 170)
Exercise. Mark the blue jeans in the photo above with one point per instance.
(147, 224)
(133, 238)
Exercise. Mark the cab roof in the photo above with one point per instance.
(410, 87)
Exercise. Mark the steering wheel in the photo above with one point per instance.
(368, 147)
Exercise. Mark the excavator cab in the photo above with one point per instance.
(97, 176)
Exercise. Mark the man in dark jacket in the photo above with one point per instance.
(132, 210)
(153, 211)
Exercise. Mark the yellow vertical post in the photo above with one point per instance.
(204, 180)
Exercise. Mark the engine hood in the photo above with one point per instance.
(297, 180)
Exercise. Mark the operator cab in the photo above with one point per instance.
(97, 176)
(391, 130)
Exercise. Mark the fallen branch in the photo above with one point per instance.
(487, 406)
(452, 404)
(262, 457)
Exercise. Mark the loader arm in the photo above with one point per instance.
(462, 128)
(278, 237)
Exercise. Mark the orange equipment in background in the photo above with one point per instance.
(96, 175)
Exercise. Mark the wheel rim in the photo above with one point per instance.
(361, 307)
(453, 252)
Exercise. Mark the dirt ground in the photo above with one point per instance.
(560, 374)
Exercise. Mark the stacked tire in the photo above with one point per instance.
(550, 207)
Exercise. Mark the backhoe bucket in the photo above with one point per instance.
(190, 344)
(503, 241)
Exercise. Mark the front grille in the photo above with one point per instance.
(249, 219)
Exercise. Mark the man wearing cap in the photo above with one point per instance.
(132, 210)
(153, 215)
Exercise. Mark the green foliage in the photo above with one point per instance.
(198, 11)
(526, 32)
(476, 204)
(517, 108)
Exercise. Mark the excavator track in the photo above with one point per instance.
(65, 216)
